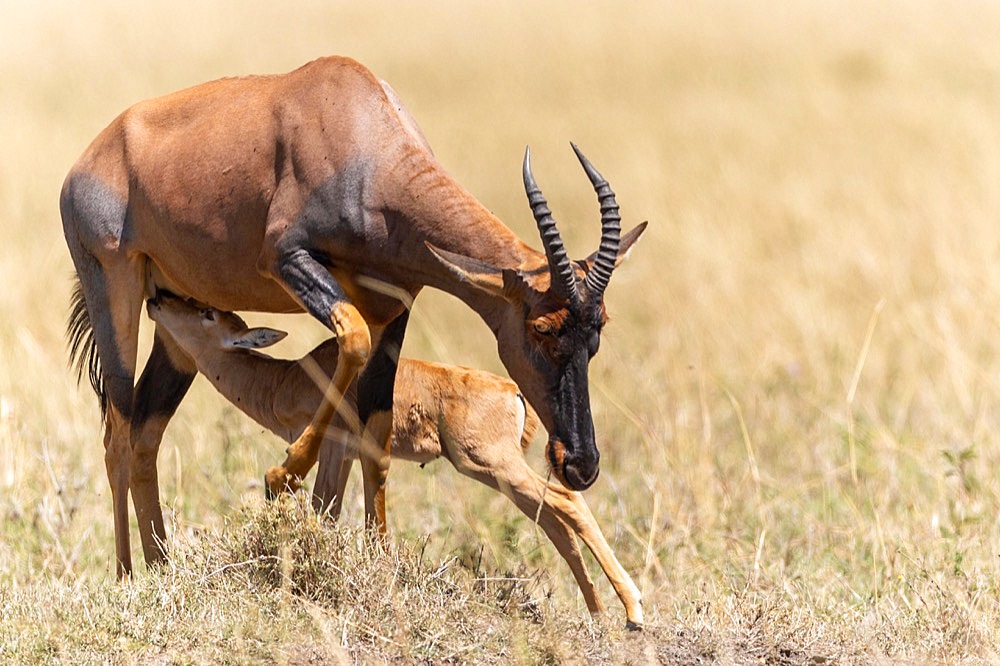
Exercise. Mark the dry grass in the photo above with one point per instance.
(797, 399)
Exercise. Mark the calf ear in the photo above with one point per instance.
(257, 338)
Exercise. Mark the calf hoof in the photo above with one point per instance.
(278, 481)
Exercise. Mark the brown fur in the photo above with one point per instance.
(474, 419)
(312, 190)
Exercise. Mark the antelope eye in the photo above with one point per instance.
(542, 327)
(208, 314)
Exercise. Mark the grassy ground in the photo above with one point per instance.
(797, 400)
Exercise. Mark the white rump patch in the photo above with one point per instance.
(520, 412)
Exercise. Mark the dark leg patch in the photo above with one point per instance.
(162, 385)
(375, 385)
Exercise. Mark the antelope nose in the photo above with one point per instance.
(579, 477)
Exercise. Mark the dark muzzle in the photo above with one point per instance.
(575, 472)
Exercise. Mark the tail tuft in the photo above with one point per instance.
(83, 347)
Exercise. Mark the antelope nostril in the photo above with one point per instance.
(578, 478)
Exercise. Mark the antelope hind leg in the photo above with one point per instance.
(164, 382)
(111, 300)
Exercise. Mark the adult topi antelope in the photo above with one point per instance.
(313, 190)
(474, 419)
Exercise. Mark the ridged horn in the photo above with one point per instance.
(563, 277)
(611, 227)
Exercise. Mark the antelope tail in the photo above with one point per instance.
(82, 345)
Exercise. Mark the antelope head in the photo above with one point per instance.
(552, 325)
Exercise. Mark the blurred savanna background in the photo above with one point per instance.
(797, 398)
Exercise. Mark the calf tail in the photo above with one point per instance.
(531, 423)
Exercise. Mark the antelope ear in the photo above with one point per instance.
(624, 246)
(472, 271)
(257, 338)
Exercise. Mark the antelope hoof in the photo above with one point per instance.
(278, 481)
(633, 626)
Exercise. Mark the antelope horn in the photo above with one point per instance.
(563, 277)
(600, 273)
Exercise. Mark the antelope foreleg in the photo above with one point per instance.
(354, 340)
(375, 404)
(374, 454)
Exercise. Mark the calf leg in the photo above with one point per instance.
(527, 492)
(338, 500)
(574, 511)
(334, 468)
(561, 537)
(564, 514)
